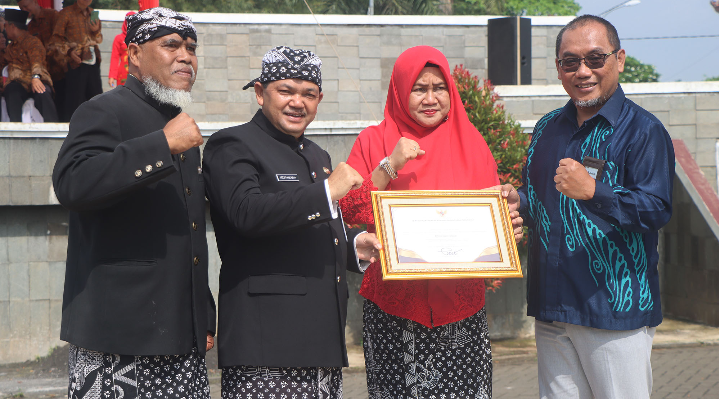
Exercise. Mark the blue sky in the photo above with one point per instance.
(675, 59)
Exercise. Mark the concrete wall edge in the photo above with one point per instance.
(59, 130)
(694, 183)
(325, 19)
(629, 88)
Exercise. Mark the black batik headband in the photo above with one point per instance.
(157, 22)
(287, 63)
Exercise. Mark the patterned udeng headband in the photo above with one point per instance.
(287, 63)
(157, 22)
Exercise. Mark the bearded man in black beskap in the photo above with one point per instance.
(137, 308)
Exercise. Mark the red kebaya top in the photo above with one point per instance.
(456, 158)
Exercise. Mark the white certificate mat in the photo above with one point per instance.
(459, 233)
(445, 234)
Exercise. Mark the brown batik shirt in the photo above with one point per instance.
(26, 57)
(72, 32)
(43, 24)
(42, 27)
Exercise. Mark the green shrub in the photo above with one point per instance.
(503, 134)
(637, 72)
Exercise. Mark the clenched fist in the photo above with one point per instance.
(405, 151)
(573, 180)
(182, 133)
(343, 179)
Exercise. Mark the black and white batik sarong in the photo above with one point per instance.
(98, 375)
(405, 359)
(246, 382)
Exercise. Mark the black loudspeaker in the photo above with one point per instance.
(509, 51)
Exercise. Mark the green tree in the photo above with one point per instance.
(712, 79)
(504, 135)
(218, 6)
(515, 7)
(381, 7)
(637, 72)
(478, 7)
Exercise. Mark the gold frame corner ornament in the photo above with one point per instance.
(508, 265)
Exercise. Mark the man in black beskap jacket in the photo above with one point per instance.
(284, 248)
(136, 282)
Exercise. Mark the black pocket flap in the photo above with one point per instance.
(128, 262)
(277, 284)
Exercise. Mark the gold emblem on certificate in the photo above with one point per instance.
(445, 234)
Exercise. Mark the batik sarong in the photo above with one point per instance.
(246, 382)
(405, 359)
(98, 375)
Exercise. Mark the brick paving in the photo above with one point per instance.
(679, 372)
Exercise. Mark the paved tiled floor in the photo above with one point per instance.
(681, 372)
(689, 372)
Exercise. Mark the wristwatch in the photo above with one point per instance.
(384, 164)
(36, 76)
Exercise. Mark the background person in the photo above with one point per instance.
(137, 309)
(43, 20)
(42, 26)
(74, 47)
(593, 283)
(118, 58)
(423, 338)
(26, 70)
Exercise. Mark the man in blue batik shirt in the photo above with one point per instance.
(593, 280)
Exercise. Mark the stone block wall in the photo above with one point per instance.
(507, 308)
(690, 273)
(544, 38)
(26, 170)
(230, 55)
(33, 245)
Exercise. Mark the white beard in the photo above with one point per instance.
(165, 95)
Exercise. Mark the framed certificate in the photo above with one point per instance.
(445, 234)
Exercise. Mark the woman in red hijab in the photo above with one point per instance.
(118, 58)
(423, 338)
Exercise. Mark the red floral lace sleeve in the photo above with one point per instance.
(357, 204)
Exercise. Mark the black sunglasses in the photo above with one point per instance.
(592, 61)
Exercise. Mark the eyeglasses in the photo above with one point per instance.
(592, 61)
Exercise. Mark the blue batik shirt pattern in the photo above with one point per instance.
(594, 263)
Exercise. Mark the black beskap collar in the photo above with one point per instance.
(261, 120)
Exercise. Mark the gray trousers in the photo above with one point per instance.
(584, 362)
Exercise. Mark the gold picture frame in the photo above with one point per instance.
(445, 234)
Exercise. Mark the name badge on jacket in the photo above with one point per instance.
(287, 177)
(594, 166)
